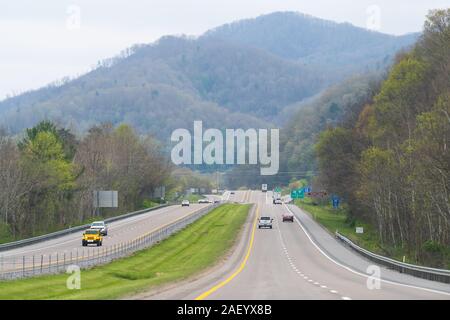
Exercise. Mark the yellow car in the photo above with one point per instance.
(92, 236)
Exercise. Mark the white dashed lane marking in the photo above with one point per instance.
(294, 267)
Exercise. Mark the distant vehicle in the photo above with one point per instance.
(277, 201)
(264, 187)
(185, 203)
(231, 192)
(217, 201)
(101, 226)
(287, 216)
(92, 236)
(203, 201)
(265, 222)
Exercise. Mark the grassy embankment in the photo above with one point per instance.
(337, 219)
(333, 220)
(188, 252)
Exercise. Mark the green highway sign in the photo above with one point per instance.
(301, 193)
(298, 194)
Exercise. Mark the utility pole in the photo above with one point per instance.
(217, 181)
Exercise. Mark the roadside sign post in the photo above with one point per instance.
(335, 200)
(105, 199)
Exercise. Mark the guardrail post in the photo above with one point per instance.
(33, 265)
(42, 261)
(23, 266)
(64, 261)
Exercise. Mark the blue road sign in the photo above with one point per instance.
(336, 200)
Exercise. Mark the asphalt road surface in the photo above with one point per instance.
(118, 232)
(298, 260)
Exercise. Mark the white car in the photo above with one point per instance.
(203, 201)
(185, 203)
(265, 222)
(100, 225)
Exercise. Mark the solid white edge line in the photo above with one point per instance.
(357, 272)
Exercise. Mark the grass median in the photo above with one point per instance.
(184, 254)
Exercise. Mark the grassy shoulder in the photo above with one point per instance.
(333, 220)
(337, 219)
(184, 254)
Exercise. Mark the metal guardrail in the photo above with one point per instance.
(53, 235)
(433, 274)
(29, 266)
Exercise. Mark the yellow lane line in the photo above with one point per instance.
(241, 267)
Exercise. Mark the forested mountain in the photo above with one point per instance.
(392, 162)
(222, 77)
(339, 49)
(335, 105)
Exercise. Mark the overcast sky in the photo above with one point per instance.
(45, 40)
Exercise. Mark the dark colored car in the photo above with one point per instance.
(287, 216)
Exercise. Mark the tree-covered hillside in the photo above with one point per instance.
(221, 78)
(392, 162)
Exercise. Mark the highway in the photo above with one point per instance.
(297, 260)
(118, 232)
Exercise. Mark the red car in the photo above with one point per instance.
(287, 216)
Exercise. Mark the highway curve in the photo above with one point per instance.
(297, 260)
